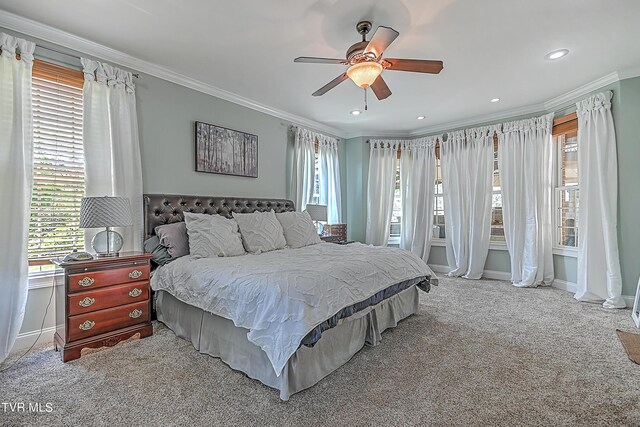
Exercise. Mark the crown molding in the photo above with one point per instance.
(545, 107)
(86, 47)
(585, 89)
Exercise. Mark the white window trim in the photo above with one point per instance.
(494, 246)
(568, 251)
(558, 249)
(46, 279)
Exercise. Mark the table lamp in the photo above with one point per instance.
(317, 213)
(96, 212)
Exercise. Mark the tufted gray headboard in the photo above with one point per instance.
(166, 208)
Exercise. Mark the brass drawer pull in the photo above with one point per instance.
(135, 274)
(135, 292)
(86, 281)
(135, 314)
(87, 324)
(86, 302)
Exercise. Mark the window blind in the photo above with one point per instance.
(58, 170)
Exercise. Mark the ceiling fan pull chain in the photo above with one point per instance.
(365, 99)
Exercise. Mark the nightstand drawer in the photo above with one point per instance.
(98, 322)
(101, 278)
(99, 299)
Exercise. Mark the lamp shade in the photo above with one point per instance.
(105, 212)
(317, 212)
(364, 74)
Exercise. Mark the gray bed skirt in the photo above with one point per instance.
(219, 337)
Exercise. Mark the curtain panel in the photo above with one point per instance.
(381, 186)
(16, 178)
(113, 166)
(329, 179)
(466, 160)
(303, 169)
(303, 172)
(599, 277)
(417, 183)
(525, 162)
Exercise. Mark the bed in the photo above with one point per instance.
(288, 317)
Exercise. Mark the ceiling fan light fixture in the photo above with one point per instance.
(364, 74)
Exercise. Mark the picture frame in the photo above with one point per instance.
(225, 151)
(635, 314)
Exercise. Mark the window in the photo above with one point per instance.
(315, 199)
(567, 195)
(497, 224)
(438, 204)
(396, 213)
(58, 164)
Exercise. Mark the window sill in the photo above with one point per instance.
(44, 280)
(566, 251)
(498, 246)
(494, 246)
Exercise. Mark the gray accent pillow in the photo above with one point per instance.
(160, 255)
(298, 229)
(174, 237)
(261, 231)
(213, 236)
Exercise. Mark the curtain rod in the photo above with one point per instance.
(136, 75)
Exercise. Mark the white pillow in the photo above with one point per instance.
(261, 231)
(213, 236)
(298, 229)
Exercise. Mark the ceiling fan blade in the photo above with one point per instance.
(333, 83)
(381, 39)
(414, 65)
(380, 88)
(312, 60)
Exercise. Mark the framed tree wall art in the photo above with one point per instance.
(226, 151)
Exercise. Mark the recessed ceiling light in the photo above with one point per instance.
(420, 117)
(557, 54)
(495, 100)
(355, 112)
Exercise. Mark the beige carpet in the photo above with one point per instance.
(479, 353)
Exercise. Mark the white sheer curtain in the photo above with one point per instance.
(599, 277)
(381, 186)
(303, 168)
(525, 159)
(417, 182)
(329, 178)
(16, 177)
(466, 160)
(113, 166)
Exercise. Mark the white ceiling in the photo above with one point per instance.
(490, 49)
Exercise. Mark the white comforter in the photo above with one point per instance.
(280, 296)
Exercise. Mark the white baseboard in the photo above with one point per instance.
(27, 339)
(487, 274)
(564, 285)
(506, 276)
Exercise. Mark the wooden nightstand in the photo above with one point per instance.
(102, 302)
(336, 233)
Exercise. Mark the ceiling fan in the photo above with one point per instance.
(366, 63)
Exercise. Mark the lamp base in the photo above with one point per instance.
(108, 255)
(107, 243)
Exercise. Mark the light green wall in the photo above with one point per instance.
(357, 159)
(628, 143)
(626, 115)
(166, 116)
